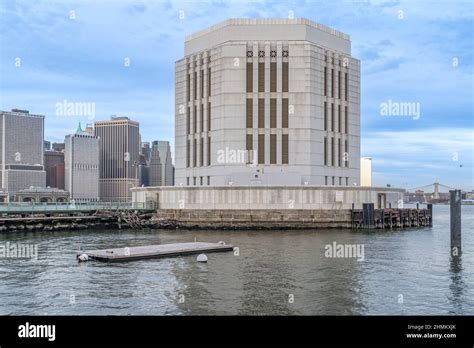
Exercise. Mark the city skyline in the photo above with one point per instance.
(429, 69)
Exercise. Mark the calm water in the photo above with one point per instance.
(272, 265)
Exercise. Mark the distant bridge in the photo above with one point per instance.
(431, 193)
(437, 188)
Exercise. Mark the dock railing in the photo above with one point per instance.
(44, 207)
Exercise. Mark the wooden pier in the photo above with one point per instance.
(35, 217)
(155, 251)
(391, 218)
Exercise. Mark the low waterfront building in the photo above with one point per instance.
(21, 158)
(41, 195)
(82, 166)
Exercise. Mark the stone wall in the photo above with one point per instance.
(255, 219)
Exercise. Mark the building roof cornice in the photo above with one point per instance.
(267, 21)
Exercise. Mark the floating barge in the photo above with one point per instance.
(155, 251)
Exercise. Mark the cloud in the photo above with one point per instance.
(408, 59)
(408, 158)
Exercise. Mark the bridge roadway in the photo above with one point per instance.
(61, 208)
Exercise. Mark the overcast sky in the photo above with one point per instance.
(410, 51)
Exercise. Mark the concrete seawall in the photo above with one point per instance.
(292, 218)
(255, 219)
(291, 207)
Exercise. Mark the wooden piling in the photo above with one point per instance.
(455, 214)
(368, 215)
(352, 216)
(430, 209)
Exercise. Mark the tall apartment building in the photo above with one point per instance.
(119, 150)
(267, 102)
(164, 150)
(21, 150)
(81, 160)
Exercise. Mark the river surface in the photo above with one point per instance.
(275, 273)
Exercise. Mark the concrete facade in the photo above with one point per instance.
(21, 150)
(82, 166)
(251, 96)
(267, 197)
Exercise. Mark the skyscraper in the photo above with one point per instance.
(119, 149)
(267, 102)
(54, 167)
(155, 166)
(144, 169)
(82, 166)
(146, 150)
(164, 151)
(21, 150)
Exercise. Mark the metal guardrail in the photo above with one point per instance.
(29, 207)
